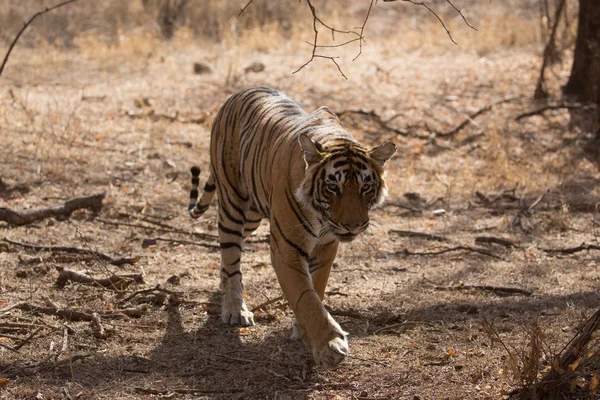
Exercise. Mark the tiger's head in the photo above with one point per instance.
(342, 182)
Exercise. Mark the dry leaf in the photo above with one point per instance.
(244, 331)
(594, 382)
(575, 364)
(451, 352)
(3, 381)
(577, 382)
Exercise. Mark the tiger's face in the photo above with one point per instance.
(342, 183)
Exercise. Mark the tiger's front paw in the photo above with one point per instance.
(235, 312)
(332, 353)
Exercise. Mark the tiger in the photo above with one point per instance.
(271, 159)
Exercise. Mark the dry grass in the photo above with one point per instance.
(76, 119)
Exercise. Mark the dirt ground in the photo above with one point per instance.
(429, 317)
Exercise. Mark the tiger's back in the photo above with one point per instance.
(315, 184)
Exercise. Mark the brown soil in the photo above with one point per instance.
(73, 126)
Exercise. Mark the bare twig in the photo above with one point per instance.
(115, 282)
(267, 303)
(419, 3)
(73, 315)
(197, 392)
(495, 240)
(489, 288)
(376, 118)
(66, 249)
(421, 235)
(462, 15)
(555, 106)
(473, 115)
(33, 17)
(35, 214)
(573, 250)
(407, 252)
(157, 288)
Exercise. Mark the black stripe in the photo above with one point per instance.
(301, 295)
(236, 261)
(299, 249)
(229, 231)
(202, 209)
(194, 194)
(209, 188)
(229, 275)
(229, 245)
(292, 202)
(195, 180)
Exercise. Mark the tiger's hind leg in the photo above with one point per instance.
(231, 236)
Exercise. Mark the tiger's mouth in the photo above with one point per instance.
(346, 237)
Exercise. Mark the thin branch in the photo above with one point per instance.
(14, 42)
(418, 3)
(66, 249)
(558, 106)
(244, 8)
(421, 235)
(115, 282)
(490, 288)
(73, 315)
(375, 117)
(495, 240)
(461, 14)
(471, 116)
(573, 250)
(407, 252)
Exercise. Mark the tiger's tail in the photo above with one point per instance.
(197, 208)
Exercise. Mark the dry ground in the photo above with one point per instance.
(75, 124)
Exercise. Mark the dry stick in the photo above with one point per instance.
(267, 303)
(540, 92)
(473, 115)
(14, 42)
(490, 288)
(157, 288)
(573, 250)
(495, 240)
(421, 235)
(418, 3)
(72, 315)
(574, 350)
(186, 391)
(375, 117)
(65, 249)
(35, 214)
(115, 282)
(179, 241)
(557, 106)
(407, 252)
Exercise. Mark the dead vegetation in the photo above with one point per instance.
(479, 278)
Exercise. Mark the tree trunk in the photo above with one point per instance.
(584, 82)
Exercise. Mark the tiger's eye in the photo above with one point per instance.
(366, 187)
(332, 187)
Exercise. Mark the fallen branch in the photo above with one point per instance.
(407, 252)
(197, 392)
(375, 117)
(157, 288)
(421, 235)
(35, 214)
(495, 240)
(473, 115)
(557, 106)
(489, 288)
(73, 315)
(66, 249)
(115, 282)
(573, 250)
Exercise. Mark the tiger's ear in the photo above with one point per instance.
(311, 149)
(382, 153)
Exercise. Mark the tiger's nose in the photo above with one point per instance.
(352, 226)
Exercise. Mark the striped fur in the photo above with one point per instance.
(314, 183)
